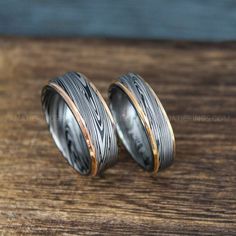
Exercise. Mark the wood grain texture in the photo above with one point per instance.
(41, 194)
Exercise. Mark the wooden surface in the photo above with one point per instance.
(213, 20)
(41, 194)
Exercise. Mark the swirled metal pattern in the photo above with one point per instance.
(142, 123)
(80, 123)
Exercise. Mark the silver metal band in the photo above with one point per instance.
(80, 123)
(142, 123)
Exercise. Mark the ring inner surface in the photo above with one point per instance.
(130, 128)
(66, 132)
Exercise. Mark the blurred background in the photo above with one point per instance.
(199, 20)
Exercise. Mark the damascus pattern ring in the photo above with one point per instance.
(80, 123)
(142, 123)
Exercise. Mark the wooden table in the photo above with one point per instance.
(41, 194)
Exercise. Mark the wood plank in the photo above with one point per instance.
(41, 194)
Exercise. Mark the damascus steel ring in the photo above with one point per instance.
(80, 123)
(142, 123)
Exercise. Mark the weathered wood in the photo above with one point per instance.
(41, 194)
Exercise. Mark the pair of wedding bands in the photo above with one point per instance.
(84, 128)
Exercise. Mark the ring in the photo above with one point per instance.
(142, 123)
(80, 123)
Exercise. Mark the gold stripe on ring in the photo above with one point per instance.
(166, 119)
(145, 123)
(80, 120)
(103, 102)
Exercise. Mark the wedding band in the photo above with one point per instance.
(80, 123)
(142, 123)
